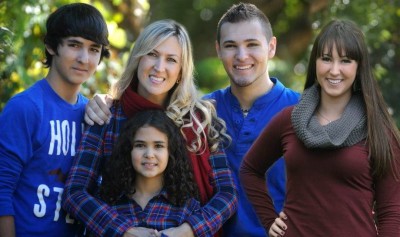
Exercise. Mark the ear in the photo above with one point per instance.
(217, 48)
(50, 50)
(272, 47)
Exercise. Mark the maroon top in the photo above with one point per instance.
(329, 192)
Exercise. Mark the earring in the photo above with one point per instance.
(177, 81)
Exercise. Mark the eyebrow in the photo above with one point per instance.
(75, 41)
(170, 55)
(142, 141)
(232, 41)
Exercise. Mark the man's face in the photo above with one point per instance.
(76, 61)
(244, 51)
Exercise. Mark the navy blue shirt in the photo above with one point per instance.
(243, 131)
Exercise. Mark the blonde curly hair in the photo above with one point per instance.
(185, 108)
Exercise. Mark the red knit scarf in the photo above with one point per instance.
(133, 103)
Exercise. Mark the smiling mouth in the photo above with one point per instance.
(157, 79)
(149, 165)
(80, 70)
(243, 67)
(331, 81)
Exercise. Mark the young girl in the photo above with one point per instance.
(340, 145)
(149, 176)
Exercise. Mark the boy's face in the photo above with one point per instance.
(244, 51)
(76, 61)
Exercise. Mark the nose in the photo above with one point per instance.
(335, 68)
(149, 153)
(159, 65)
(83, 56)
(241, 53)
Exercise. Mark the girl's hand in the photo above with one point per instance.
(183, 230)
(278, 228)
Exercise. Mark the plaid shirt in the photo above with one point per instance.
(159, 213)
(80, 201)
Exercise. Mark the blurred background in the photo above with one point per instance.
(295, 24)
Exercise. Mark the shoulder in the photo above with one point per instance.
(217, 94)
(27, 102)
(284, 116)
(290, 94)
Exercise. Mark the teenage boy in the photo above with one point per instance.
(245, 44)
(41, 127)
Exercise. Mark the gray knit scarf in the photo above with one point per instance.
(348, 130)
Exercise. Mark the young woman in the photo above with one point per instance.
(340, 145)
(148, 177)
(158, 75)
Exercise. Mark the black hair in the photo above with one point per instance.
(76, 19)
(118, 172)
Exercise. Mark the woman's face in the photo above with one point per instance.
(336, 74)
(159, 70)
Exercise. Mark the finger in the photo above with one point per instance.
(101, 106)
(282, 215)
(91, 116)
(88, 120)
(276, 230)
(109, 100)
(104, 102)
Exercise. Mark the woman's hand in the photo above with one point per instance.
(278, 228)
(183, 230)
(98, 109)
(141, 232)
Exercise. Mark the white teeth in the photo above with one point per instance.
(334, 81)
(243, 67)
(157, 79)
(149, 164)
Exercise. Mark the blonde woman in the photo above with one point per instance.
(158, 75)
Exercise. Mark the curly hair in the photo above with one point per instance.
(183, 105)
(118, 172)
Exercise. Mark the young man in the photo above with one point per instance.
(245, 44)
(41, 127)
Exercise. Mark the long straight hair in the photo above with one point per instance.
(382, 134)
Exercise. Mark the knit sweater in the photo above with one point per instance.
(330, 192)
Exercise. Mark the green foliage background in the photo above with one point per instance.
(295, 24)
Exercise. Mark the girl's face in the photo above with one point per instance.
(159, 70)
(150, 153)
(336, 74)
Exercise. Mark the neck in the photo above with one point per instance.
(67, 91)
(248, 94)
(331, 108)
(146, 190)
(148, 186)
(156, 99)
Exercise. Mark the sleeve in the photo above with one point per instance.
(266, 149)
(387, 196)
(222, 205)
(16, 146)
(79, 199)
